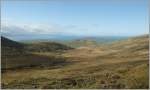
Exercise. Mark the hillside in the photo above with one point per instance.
(82, 42)
(93, 41)
(133, 46)
(10, 47)
(19, 55)
(46, 47)
(76, 42)
(121, 65)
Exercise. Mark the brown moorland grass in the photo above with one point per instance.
(122, 65)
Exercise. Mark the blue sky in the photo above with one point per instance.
(75, 17)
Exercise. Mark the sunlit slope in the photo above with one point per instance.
(129, 47)
(136, 43)
(133, 47)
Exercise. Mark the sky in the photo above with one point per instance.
(74, 17)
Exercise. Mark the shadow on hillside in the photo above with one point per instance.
(29, 61)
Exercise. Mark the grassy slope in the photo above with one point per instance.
(92, 41)
(10, 47)
(81, 43)
(19, 55)
(46, 47)
(119, 65)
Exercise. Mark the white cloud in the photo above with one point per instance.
(15, 29)
(38, 29)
